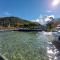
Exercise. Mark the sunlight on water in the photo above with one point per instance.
(52, 51)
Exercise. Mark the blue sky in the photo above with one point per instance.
(28, 9)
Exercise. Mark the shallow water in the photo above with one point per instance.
(24, 45)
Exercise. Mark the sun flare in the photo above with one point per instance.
(55, 2)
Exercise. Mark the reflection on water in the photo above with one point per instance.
(23, 45)
(52, 52)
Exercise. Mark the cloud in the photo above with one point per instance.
(41, 16)
(51, 16)
(49, 11)
(38, 19)
(43, 19)
(7, 13)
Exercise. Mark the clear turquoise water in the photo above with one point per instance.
(23, 45)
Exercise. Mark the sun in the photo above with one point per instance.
(55, 2)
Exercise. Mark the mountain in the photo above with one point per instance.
(17, 23)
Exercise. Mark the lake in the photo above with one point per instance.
(24, 45)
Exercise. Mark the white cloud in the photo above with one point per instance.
(49, 11)
(51, 16)
(41, 16)
(48, 18)
(7, 13)
(38, 19)
(43, 20)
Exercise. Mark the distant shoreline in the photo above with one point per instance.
(23, 30)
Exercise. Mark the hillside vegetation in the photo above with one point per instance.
(15, 22)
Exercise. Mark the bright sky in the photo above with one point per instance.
(29, 9)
